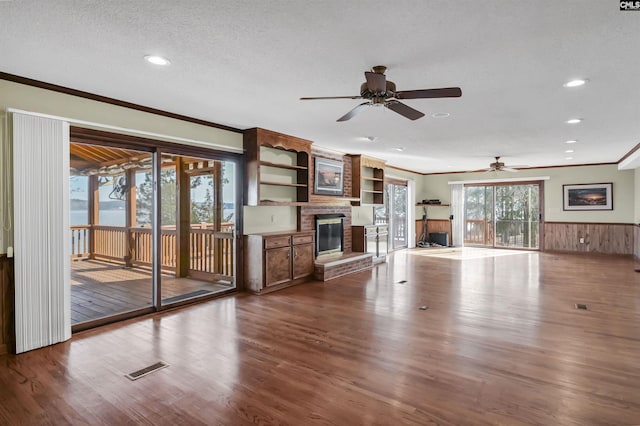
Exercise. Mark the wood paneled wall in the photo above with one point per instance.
(434, 225)
(6, 305)
(610, 238)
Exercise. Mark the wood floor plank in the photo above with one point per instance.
(500, 343)
(101, 289)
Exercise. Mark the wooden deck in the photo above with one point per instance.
(101, 289)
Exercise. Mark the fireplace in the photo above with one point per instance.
(329, 233)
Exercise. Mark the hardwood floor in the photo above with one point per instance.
(500, 343)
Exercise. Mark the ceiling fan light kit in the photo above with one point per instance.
(378, 91)
(499, 166)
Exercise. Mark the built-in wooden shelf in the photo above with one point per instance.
(283, 203)
(333, 198)
(271, 156)
(368, 180)
(302, 185)
(283, 166)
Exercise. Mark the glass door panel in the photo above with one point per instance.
(197, 251)
(111, 250)
(478, 215)
(502, 215)
(397, 196)
(517, 212)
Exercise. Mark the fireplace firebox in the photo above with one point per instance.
(329, 233)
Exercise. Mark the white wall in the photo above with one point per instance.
(23, 97)
(624, 181)
(361, 215)
(269, 219)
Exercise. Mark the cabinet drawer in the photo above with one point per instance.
(370, 230)
(274, 242)
(383, 229)
(302, 239)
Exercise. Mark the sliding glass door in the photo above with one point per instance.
(503, 215)
(517, 213)
(397, 200)
(394, 213)
(198, 226)
(150, 227)
(110, 234)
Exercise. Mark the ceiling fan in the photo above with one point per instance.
(378, 91)
(499, 166)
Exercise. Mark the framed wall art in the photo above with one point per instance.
(329, 177)
(591, 196)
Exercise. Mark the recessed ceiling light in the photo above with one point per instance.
(371, 138)
(399, 149)
(569, 151)
(575, 83)
(157, 60)
(568, 158)
(574, 121)
(440, 114)
(572, 141)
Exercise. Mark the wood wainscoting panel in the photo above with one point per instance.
(609, 238)
(636, 241)
(434, 225)
(6, 305)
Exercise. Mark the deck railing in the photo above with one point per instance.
(210, 253)
(509, 233)
(475, 231)
(80, 241)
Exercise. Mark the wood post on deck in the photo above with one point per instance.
(217, 215)
(94, 212)
(183, 218)
(130, 216)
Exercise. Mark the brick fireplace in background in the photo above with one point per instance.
(307, 220)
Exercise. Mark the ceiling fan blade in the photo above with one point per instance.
(445, 92)
(377, 83)
(332, 97)
(508, 169)
(404, 110)
(353, 112)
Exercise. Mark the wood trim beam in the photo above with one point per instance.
(630, 153)
(107, 100)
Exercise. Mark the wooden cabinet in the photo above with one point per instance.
(276, 260)
(303, 256)
(368, 180)
(277, 168)
(277, 266)
(373, 239)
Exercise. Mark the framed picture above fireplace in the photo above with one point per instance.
(329, 177)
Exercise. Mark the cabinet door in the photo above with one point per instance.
(277, 266)
(372, 244)
(303, 260)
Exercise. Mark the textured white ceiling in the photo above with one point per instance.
(247, 63)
